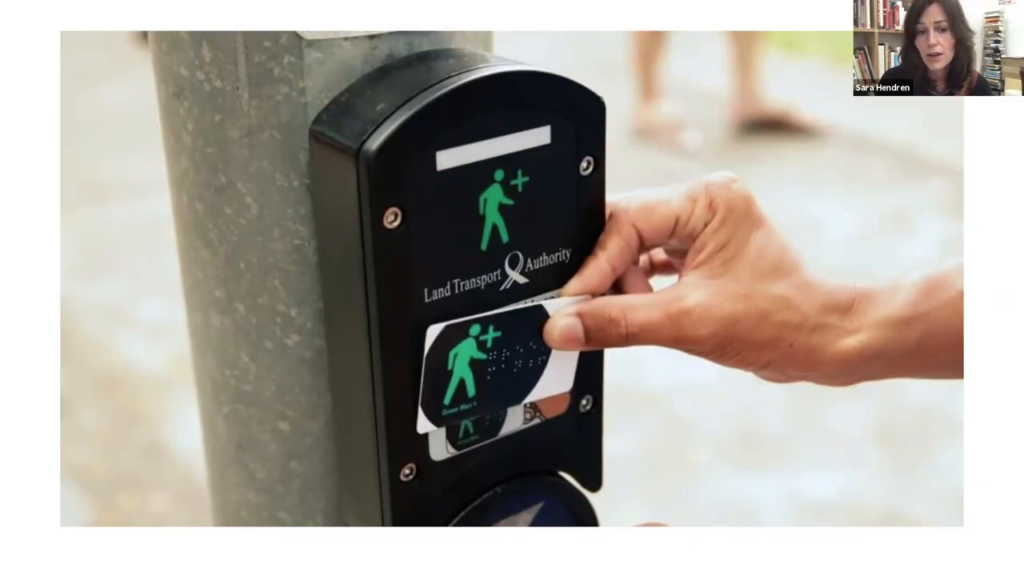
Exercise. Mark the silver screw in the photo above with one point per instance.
(408, 473)
(587, 403)
(587, 166)
(392, 218)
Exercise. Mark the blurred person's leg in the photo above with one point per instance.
(653, 118)
(750, 110)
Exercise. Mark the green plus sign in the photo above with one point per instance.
(491, 335)
(520, 180)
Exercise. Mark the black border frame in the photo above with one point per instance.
(570, 443)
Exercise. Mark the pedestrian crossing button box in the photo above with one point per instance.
(446, 184)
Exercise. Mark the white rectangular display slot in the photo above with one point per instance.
(493, 148)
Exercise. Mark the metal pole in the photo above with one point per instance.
(235, 110)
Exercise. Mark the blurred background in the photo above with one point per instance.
(878, 196)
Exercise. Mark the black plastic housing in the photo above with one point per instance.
(362, 145)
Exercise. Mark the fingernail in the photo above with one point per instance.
(565, 332)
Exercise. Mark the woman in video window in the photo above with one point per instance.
(938, 52)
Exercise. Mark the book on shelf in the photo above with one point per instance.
(862, 14)
(870, 70)
(888, 57)
(879, 14)
(862, 69)
(892, 14)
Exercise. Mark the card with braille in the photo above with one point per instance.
(489, 362)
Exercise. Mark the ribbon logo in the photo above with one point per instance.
(514, 275)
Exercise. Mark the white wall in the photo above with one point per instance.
(1013, 14)
(975, 12)
(1013, 17)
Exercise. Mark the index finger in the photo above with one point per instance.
(641, 222)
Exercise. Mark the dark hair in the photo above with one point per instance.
(963, 59)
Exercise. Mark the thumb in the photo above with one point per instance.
(613, 322)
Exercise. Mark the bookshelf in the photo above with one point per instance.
(992, 58)
(877, 30)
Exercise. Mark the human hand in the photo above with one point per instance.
(743, 298)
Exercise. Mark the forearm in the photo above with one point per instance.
(909, 330)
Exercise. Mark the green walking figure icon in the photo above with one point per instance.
(464, 426)
(491, 202)
(458, 364)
